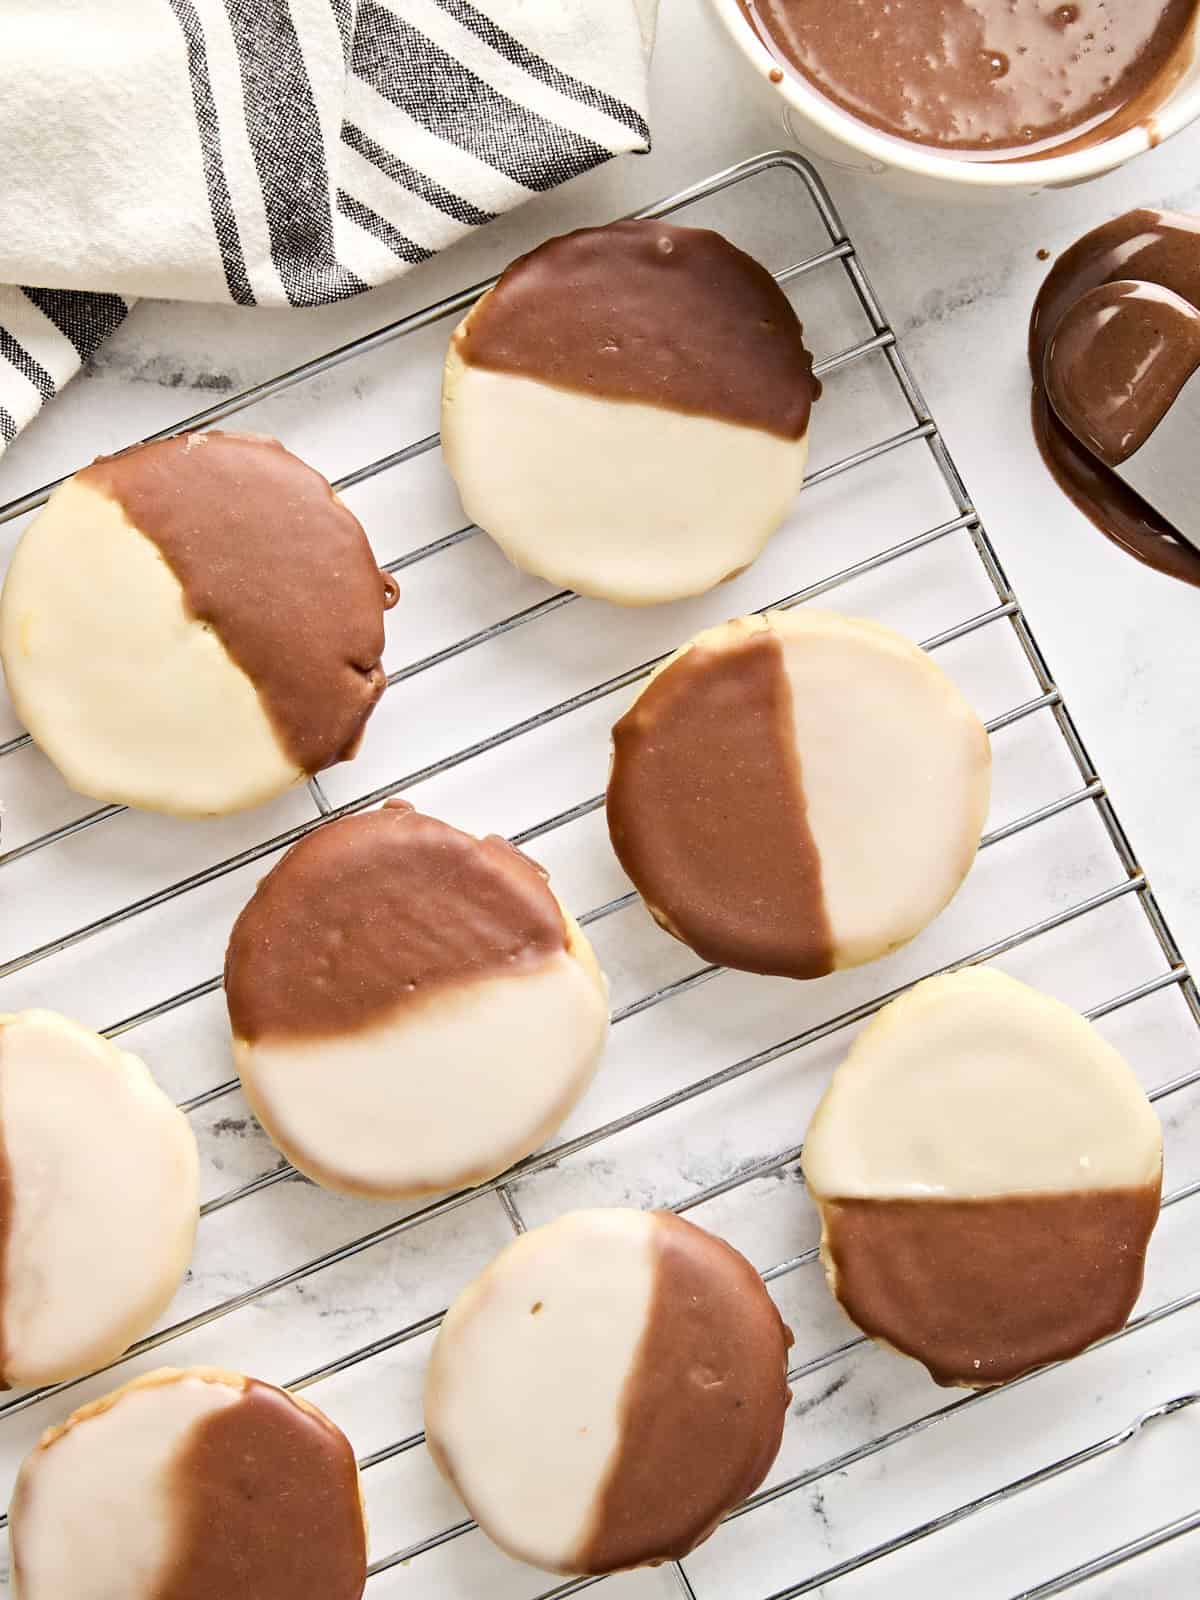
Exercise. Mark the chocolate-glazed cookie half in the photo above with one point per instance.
(626, 412)
(190, 1484)
(607, 1390)
(988, 1170)
(412, 1009)
(194, 625)
(797, 792)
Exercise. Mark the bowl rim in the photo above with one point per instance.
(886, 152)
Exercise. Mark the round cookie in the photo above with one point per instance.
(98, 1199)
(988, 1171)
(626, 411)
(194, 625)
(797, 792)
(412, 1008)
(607, 1390)
(192, 1485)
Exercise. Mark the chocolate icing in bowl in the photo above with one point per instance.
(986, 80)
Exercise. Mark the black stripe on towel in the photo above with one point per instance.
(83, 318)
(8, 425)
(538, 67)
(224, 219)
(453, 103)
(343, 13)
(289, 153)
(28, 366)
(398, 243)
(415, 182)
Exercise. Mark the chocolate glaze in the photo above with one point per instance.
(271, 559)
(1156, 247)
(986, 79)
(1117, 361)
(650, 312)
(981, 1291)
(707, 815)
(377, 911)
(703, 1408)
(268, 1506)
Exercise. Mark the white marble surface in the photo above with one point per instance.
(1123, 643)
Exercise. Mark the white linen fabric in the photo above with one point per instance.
(278, 152)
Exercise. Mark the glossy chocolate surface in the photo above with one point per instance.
(654, 313)
(1117, 362)
(268, 1506)
(986, 80)
(981, 1291)
(1160, 247)
(707, 815)
(704, 1404)
(374, 912)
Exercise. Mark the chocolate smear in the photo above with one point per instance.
(1117, 362)
(1159, 247)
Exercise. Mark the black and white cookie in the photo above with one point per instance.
(987, 1169)
(194, 625)
(608, 1389)
(412, 1008)
(626, 412)
(798, 792)
(190, 1485)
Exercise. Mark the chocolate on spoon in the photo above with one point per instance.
(1119, 373)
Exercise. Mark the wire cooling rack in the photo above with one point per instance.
(500, 696)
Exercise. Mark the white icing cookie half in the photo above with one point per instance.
(170, 634)
(988, 1172)
(190, 1485)
(798, 792)
(99, 1199)
(608, 1389)
(412, 1009)
(626, 412)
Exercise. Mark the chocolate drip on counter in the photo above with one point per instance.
(376, 911)
(986, 80)
(981, 1291)
(707, 815)
(270, 558)
(1156, 247)
(703, 1407)
(268, 1505)
(1117, 362)
(650, 312)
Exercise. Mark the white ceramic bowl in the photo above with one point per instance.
(818, 125)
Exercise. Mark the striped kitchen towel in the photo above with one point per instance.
(277, 152)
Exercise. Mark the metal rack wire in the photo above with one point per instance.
(1004, 612)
